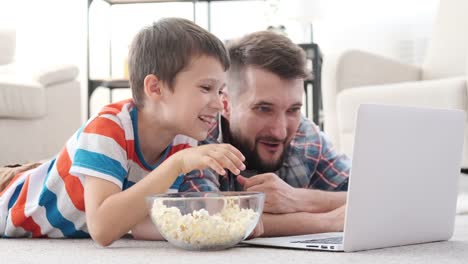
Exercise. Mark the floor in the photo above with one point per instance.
(463, 187)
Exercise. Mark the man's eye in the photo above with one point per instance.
(263, 109)
(294, 110)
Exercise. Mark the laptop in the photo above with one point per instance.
(403, 181)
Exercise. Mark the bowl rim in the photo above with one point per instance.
(219, 195)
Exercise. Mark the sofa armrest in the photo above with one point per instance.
(354, 68)
(56, 74)
(443, 93)
(7, 45)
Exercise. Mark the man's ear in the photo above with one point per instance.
(226, 106)
(152, 86)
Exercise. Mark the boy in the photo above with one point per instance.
(133, 148)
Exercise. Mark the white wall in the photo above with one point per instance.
(55, 30)
(396, 28)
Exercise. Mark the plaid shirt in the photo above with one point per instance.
(310, 162)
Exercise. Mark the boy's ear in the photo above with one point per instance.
(226, 106)
(152, 86)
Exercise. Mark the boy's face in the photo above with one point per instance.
(264, 117)
(195, 102)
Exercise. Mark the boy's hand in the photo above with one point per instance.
(214, 156)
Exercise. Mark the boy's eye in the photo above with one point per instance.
(205, 88)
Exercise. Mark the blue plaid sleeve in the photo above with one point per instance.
(332, 167)
(203, 180)
(200, 181)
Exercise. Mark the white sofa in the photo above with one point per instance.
(39, 108)
(354, 77)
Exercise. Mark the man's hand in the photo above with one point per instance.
(214, 156)
(279, 196)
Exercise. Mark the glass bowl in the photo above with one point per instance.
(206, 220)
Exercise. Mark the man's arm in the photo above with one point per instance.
(303, 223)
(200, 181)
(326, 172)
(317, 201)
(332, 168)
(282, 198)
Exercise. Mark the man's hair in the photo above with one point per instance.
(166, 48)
(268, 51)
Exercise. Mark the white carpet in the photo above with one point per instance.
(131, 251)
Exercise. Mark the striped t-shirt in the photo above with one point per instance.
(48, 201)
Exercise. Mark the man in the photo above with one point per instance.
(287, 156)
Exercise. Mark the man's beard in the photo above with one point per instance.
(253, 161)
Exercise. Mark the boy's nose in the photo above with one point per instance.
(217, 103)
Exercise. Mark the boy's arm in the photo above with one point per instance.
(111, 213)
(146, 230)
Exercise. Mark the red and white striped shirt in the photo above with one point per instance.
(48, 201)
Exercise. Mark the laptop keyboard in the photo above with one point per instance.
(329, 240)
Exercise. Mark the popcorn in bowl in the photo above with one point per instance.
(206, 221)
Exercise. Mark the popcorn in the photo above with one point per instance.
(200, 230)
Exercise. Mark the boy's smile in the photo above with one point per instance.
(209, 120)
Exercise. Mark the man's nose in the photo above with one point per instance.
(278, 127)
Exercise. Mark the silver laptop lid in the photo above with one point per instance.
(403, 181)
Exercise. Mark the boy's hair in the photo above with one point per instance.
(166, 48)
(268, 51)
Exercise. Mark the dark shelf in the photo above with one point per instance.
(112, 83)
(314, 56)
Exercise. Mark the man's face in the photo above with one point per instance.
(264, 117)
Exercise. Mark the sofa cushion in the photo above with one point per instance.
(20, 98)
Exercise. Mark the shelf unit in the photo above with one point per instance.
(313, 84)
(113, 83)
